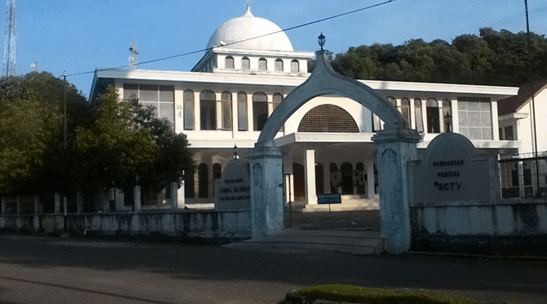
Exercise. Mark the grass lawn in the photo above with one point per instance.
(355, 294)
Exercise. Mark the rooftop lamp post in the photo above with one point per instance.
(321, 40)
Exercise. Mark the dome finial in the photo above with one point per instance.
(248, 10)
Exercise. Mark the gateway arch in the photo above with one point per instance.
(396, 146)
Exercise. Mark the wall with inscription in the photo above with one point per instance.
(232, 192)
(453, 171)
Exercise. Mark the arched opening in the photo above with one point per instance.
(299, 182)
(334, 178)
(278, 65)
(319, 179)
(295, 66)
(433, 123)
(203, 181)
(360, 178)
(405, 109)
(245, 63)
(328, 118)
(229, 62)
(262, 64)
(260, 110)
(189, 191)
(226, 110)
(347, 178)
(447, 110)
(208, 113)
(242, 111)
(188, 104)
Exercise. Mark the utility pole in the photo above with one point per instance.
(9, 41)
(533, 103)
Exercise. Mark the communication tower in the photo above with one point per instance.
(9, 41)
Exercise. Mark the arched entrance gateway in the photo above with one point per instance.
(396, 146)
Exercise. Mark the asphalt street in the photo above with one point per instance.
(35, 269)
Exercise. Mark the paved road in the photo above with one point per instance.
(53, 270)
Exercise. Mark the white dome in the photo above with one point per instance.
(248, 26)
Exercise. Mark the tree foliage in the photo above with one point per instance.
(127, 143)
(493, 58)
(31, 130)
(109, 143)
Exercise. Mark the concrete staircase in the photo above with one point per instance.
(306, 241)
(349, 202)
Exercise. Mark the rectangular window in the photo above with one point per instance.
(475, 117)
(509, 133)
(161, 98)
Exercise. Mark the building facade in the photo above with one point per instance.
(327, 144)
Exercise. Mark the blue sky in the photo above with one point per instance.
(78, 36)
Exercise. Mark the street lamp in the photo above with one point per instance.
(321, 40)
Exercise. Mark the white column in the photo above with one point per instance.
(370, 179)
(180, 196)
(174, 195)
(36, 204)
(79, 202)
(137, 198)
(119, 198)
(309, 162)
(57, 203)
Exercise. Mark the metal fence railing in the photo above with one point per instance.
(523, 175)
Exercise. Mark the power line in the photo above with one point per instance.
(243, 40)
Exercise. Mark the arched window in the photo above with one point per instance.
(360, 178)
(217, 171)
(229, 62)
(392, 101)
(277, 99)
(188, 101)
(242, 111)
(319, 176)
(405, 109)
(189, 191)
(262, 64)
(328, 118)
(295, 66)
(419, 126)
(245, 63)
(203, 180)
(260, 110)
(347, 178)
(208, 114)
(433, 124)
(278, 65)
(447, 110)
(335, 178)
(226, 110)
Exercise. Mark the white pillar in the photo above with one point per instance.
(79, 202)
(180, 200)
(137, 198)
(174, 195)
(309, 163)
(36, 204)
(395, 149)
(57, 203)
(266, 190)
(119, 198)
(370, 180)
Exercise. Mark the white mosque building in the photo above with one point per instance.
(327, 144)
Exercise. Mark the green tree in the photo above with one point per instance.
(112, 150)
(31, 131)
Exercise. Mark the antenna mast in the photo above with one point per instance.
(9, 41)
